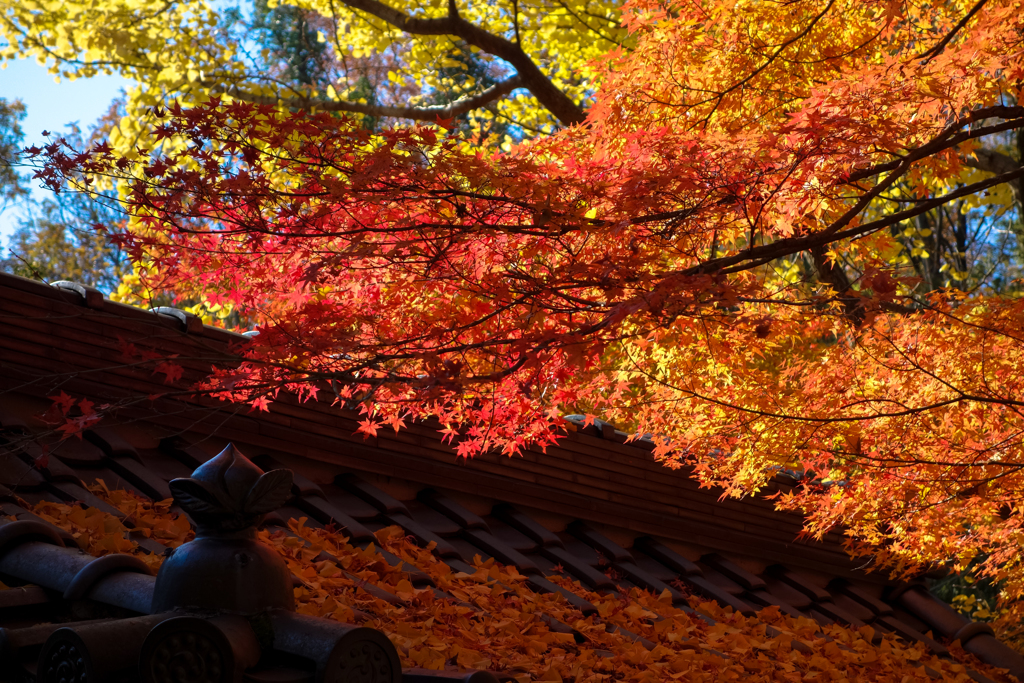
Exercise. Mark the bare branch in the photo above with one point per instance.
(759, 256)
(931, 53)
(533, 79)
(425, 113)
(991, 161)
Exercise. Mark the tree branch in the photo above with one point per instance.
(533, 79)
(934, 52)
(991, 161)
(1013, 119)
(425, 113)
(759, 256)
(833, 274)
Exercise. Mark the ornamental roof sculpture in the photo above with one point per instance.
(220, 605)
(225, 568)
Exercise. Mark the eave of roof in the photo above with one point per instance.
(53, 339)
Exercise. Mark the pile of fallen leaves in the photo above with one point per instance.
(491, 619)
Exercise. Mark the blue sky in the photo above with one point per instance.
(50, 106)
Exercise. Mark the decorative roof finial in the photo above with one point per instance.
(229, 493)
(226, 569)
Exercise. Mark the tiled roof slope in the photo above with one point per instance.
(55, 340)
(590, 520)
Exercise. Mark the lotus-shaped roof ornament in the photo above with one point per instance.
(226, 568)
(229, 493)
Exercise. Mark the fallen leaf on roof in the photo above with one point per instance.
(491, 619)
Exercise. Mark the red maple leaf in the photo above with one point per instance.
(42, 461)
(172, 371)
(261, 403)
(63, 402)
(368, 428)
(467, 448)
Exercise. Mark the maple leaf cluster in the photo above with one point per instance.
(69, 417)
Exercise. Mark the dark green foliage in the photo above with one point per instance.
(366, 91)
(63, 237)
(293, 43)
(12, 183)
(472, 74)
(974, 597)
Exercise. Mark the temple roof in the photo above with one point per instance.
(589, 560)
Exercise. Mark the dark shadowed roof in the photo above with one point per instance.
(586, 525)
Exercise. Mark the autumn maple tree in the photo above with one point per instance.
(728, 256)
(503, 71)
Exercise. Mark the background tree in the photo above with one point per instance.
(60, 240)
(292, 40)
(320, 54)
(12, 180)
(62, 237)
